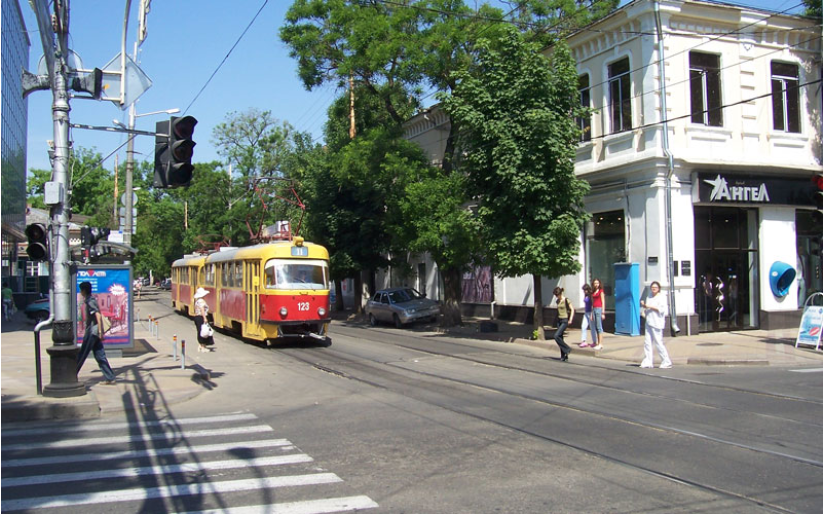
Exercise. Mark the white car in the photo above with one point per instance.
(400, 305)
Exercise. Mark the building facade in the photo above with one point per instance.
(13, 136)
(705, 135)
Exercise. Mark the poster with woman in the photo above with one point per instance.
(111, 285)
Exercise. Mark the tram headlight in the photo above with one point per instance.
(321, 312)
(284, 311)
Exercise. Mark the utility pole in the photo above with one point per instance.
(63, 354)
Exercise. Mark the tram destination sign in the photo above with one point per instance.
(716, 188)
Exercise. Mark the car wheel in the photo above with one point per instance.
(372, 320)
(397, 322)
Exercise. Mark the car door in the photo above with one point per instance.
(383, 313)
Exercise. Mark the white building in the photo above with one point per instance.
(722, 139)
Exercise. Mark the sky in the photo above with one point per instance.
(187, 41)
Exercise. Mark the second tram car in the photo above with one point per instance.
(260, 292)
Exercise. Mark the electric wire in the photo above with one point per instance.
(265, 2)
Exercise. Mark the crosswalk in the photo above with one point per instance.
(229, 463)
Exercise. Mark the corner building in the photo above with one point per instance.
(700, 152)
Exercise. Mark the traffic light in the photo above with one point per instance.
(90, 236)
(38, 236)
(173, 150)
(817, 180)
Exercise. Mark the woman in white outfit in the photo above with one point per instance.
(655, 311)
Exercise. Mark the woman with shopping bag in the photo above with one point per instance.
(205, 334)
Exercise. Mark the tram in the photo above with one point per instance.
(262, 292)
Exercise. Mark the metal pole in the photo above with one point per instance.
(63, 354)
(38, 373)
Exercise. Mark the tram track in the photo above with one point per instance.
(399, 377)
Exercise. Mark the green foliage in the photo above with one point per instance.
(517, 117)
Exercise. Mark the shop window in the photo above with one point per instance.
(584, 123)
(706, 98)
(786, 96)
(606, 245)
(620, 102)
(809, 255)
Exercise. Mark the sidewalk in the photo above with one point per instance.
(148, 378)
(750, 347)
(151, 379)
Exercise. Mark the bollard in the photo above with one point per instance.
(183, 354)
(150, 323)
(174, 344)
(157, 330)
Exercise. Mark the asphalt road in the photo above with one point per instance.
(421, 423)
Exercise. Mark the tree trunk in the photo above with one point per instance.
(538, 307)
(358, 293)
(338, 301)
(452, 295)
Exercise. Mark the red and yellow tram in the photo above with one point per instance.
(260, 292)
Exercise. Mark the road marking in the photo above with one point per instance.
(304, 507)
(188, 467)
(88, 427)
(150, 493)
(137, 454)
(810, 370)
(177, 435)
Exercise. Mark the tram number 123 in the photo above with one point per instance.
(303, 306)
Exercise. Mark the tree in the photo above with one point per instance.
(391, 48)
(517, 115)
(256, 146)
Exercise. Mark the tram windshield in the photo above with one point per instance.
(297, 274)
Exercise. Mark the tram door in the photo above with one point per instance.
(252, 284)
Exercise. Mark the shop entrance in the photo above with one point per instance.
(726, 293)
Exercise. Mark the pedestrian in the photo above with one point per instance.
(8, 301)
(588, 320)
(655, 313)
(597, 312)
(138, 287)
(93, 336)
(201, 316)
(565, 313)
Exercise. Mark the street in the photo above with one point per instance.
(411, 421)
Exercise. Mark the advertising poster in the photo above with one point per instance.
(111, 286)
(811, 326)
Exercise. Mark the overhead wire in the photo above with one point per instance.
(265, 2)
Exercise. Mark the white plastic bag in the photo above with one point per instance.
(206, 331)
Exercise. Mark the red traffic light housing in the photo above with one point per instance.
(38, 236)
(173, 151)
(817, 180)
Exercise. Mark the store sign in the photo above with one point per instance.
(740, 193)
(720, 188)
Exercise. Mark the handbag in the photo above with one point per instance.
(206, 331)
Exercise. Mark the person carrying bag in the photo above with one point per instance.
(205, 334)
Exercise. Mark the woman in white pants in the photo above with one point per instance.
(656, 311)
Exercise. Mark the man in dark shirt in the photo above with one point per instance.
(93, 338)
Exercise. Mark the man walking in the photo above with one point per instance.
(93, 337)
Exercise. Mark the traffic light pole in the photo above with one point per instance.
(63, 353)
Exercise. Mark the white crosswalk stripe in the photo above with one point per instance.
(167, 465)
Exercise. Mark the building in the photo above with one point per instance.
(705, 135)
(14, 120)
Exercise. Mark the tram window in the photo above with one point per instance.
(238, 274)
(297, 274)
